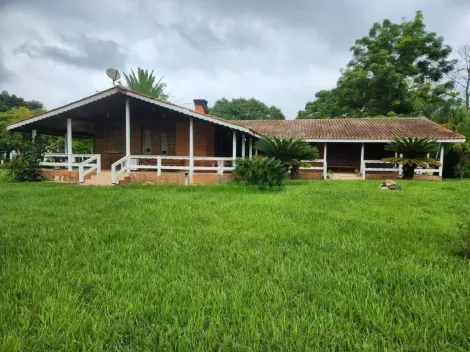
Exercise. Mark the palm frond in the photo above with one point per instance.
(145, 82)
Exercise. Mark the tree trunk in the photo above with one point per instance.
(7, 155)
(408, 172)
(294, 173)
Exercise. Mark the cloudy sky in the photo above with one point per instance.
(278, 51)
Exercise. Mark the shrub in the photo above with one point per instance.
(414, 152)
(25, 166)
(289, 150)
(264, 172)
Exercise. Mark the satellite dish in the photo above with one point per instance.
(113, 74)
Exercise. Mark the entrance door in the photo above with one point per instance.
(344, 157)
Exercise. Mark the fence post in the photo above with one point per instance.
(159, 165)
(98, 164)
(113, 174)
(80, 173)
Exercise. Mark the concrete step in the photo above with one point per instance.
(102, 179)
(346, 176)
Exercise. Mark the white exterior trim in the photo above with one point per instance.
(63, 109)
(441, 160)
(243, 146)
(372, 141)
(250, 148)
(191, 113)
(128, 127)
(69, 144)
(191, 146)
(234, 145)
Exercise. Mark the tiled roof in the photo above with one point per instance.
(351, 128)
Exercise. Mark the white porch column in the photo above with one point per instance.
(363, 167)
(191, 145)
(441, 160)
(250, 148)
(325, 164)
(33, 135)
(128, 128)
(234, 146)
(256, 151)
(243, 146)
(400, 167)
(69, 143)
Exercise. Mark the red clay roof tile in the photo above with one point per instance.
(351, 128)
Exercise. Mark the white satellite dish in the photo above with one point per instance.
(113, 74)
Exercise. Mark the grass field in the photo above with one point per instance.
(315, 266)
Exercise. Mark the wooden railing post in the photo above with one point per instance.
(159, 166)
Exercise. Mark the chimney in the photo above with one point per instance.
(200, 106)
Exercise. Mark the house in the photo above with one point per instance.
(139, 138)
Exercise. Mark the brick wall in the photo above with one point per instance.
(311, 174)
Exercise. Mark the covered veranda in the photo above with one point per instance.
(134, 133)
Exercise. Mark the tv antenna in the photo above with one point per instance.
(113, 74)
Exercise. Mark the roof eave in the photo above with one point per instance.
(189, 112)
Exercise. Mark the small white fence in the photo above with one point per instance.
(134, 163)
(393, 168)
(315, 165)
(86, 163)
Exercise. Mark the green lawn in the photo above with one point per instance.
(315, 266)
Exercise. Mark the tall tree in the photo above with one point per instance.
(10, 101)
(9, 141)
(325, 105)
(389, 65)
(145, 82)
(245, 109)
(461, 72)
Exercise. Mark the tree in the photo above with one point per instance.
(459, 121)
(245, 109)
(325, 105)
(460, 75)
(8, 102)
(288, 150)
(390, 66)
(414, 153)
(9, 141)
(146, 83)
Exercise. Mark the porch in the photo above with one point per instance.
(131, 133)
(361, 160)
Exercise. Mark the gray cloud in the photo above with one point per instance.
(85, 52)
(279, 51)
(6, 75)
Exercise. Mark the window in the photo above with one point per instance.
(164, 144)
(147, 141)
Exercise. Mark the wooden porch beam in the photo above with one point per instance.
(128, 127)
(69, 144)
(234, 145)
(191, 145)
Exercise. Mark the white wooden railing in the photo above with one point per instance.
(394, 168)
(323, 166)
(86, 163)
(92, 164)
(134, 163)
(311, 167)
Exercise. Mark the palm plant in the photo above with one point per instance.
(289, 151)
(460, 122)
(413, 153)
(146, 83)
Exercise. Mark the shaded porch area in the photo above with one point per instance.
(135, 134)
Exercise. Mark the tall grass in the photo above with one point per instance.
(314, 266)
